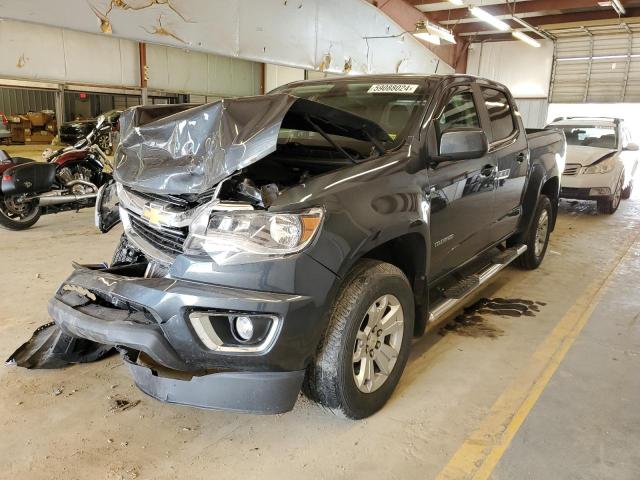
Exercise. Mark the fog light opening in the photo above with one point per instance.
(243, 328)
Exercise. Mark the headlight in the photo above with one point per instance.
(603, 167)
(249, 236)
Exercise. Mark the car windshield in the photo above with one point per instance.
(591, 136)
(392, 104)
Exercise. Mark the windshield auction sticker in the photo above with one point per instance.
(392, 88)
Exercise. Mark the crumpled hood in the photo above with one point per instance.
(586, 156)
(186, 149)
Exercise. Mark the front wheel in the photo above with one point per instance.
(16, 215)
(537, 237)
(365, 348)
(609, 205)
(626, 192)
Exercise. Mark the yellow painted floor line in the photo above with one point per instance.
(478, 456)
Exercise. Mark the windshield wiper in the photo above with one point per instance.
(375, 142)
(329, 139)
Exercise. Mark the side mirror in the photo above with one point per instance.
(632, 147)
(462, 144)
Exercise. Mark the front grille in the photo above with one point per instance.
(166, 239)
(571, 169)
(165, 199)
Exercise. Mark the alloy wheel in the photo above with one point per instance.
(378, 343)
(617, 194)
(541, 233)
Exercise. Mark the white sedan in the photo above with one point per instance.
(601, 160)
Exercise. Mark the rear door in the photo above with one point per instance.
(510, 152)
(461, 192)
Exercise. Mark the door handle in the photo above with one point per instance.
(488, 170)
(521, 157)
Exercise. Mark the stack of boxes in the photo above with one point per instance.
(34, 127)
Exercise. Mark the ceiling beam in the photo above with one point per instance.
(470, 28)
(532, 6)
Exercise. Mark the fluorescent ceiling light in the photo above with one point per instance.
(615, 4)
(601, 57)
(427, 31)
(490, 19)
(526, 39)
(428, 37)
(457, 3)
(443, 33)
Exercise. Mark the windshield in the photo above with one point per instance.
(591, 136)
(392, 104)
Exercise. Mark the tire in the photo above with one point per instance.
(608, 206)
(331, 379)
(125, 253)
(19, 223)
(537, 237)
(626, 192)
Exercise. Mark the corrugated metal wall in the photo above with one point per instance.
(176, 70)
(533, 111)
(525, 70)
(22, 100)
(599, 64)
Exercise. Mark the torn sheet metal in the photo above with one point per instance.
(182, 149)
(50, 347)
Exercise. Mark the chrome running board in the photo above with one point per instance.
(482, 277)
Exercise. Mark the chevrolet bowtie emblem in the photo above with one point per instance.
(152, 214)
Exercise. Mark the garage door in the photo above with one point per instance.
(596, 65)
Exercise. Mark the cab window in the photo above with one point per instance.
(500, 114)
(459, 112)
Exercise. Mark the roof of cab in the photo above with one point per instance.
(595, 121)
(386, 77)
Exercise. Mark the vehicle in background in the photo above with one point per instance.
(5, 133)
(73, 132)
(602, 160)
(326, 224)
(68, 179)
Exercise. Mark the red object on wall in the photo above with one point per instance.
(83, 96)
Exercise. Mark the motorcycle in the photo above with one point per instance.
(68, 179)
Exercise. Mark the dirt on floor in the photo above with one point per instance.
(90, 421)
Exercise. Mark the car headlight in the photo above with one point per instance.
(249, 236)
(602, 167)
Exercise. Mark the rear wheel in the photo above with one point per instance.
(104, 142)
(366, 345)
(16, 215)
(537, 238)
(611, 204)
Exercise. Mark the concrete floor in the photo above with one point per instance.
(62, 424)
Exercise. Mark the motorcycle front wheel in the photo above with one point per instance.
(18, 216)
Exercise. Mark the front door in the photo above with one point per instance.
(461, 194)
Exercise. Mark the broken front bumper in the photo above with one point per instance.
(147, 318)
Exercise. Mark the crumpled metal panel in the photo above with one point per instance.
(185, 149)
(326, 35)
(190, 151)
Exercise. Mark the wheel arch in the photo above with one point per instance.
(408, 252)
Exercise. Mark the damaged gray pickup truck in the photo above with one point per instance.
(300, 239)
